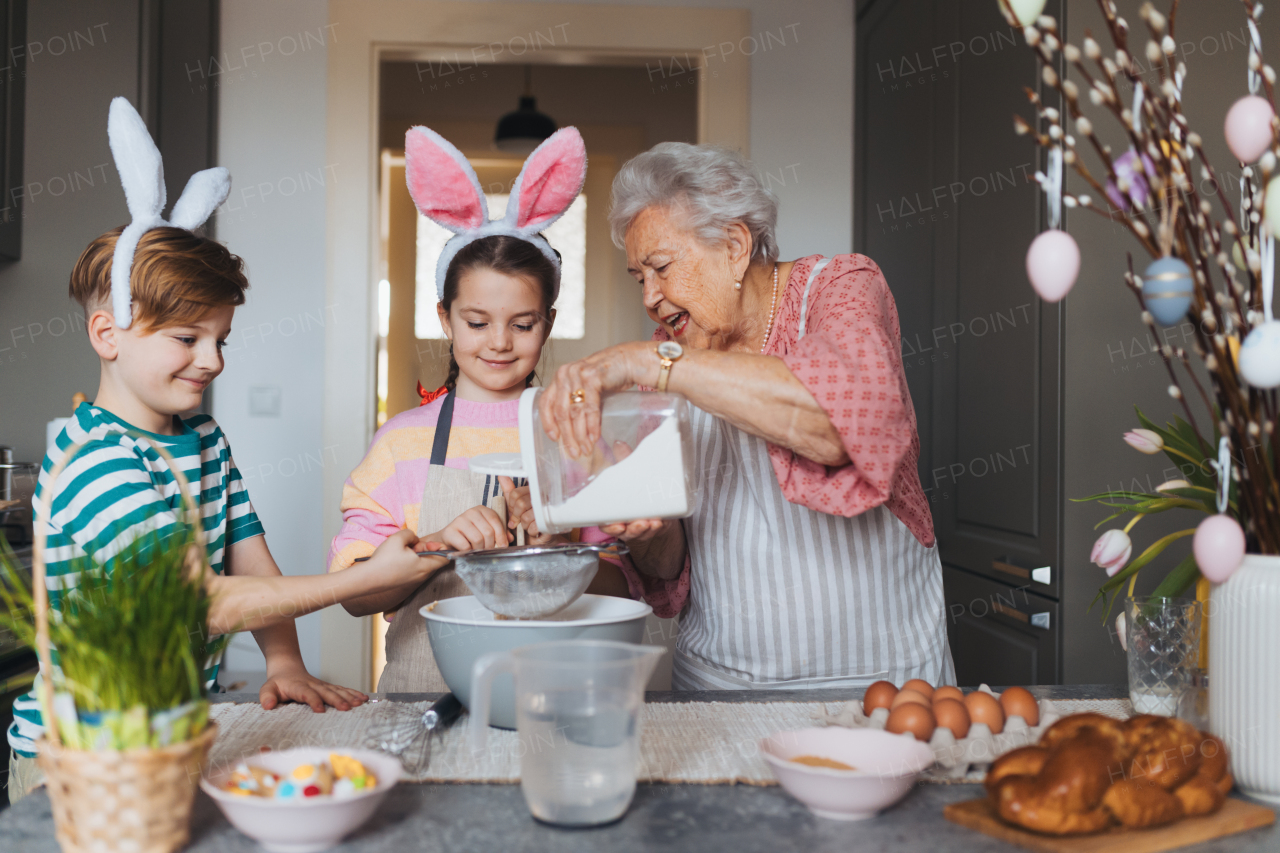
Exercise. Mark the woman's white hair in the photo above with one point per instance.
(713, 187)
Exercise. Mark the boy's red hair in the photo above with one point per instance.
(177, 277)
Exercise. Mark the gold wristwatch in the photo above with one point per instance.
(669, 352)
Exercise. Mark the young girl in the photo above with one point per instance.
(496, 282)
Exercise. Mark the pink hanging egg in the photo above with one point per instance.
(1053, 262)
(1219, 547)
(1248, 127)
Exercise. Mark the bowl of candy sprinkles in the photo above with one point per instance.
(302, 800)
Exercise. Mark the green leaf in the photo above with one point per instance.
(1117, 496)
(1178, 581)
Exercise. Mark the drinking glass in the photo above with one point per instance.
(1163, 645)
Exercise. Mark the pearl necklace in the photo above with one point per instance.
(773, 304)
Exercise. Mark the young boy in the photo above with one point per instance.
(184, 290)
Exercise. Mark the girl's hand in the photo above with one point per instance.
(520, 511)
(577, 425)
(519, 506)
(476, 529)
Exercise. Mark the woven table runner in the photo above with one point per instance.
(711, 743)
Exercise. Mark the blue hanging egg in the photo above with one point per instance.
(1166, 290)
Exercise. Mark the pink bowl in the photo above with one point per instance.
(886, 767)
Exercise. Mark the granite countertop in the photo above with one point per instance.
(671, 818)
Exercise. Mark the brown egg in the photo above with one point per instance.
(1018, 702)
(878, 695)
(912, 717)
(905, 696)
(920, 686)
(952, 714)
(983, 708)
(948, 692)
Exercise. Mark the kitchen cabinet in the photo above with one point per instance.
(1000, 634)
(946, 203)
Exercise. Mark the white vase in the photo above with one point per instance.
(1244, 673)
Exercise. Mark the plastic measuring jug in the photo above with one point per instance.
(578, 723)
(640, 467)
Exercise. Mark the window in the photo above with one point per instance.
(568, 236)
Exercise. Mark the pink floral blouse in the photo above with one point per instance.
(850, 359)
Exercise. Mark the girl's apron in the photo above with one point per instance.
(449, 492)
(786, 597)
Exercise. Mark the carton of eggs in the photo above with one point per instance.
(1166, 290)
(962, 730)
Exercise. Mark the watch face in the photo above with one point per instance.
(670, 349)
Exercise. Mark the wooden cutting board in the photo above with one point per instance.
(1234, 816)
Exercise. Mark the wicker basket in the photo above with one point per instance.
(136, 800)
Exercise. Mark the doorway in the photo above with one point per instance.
(377, 34)
(619, 112)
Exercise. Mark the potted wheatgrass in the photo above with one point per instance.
(126, 708)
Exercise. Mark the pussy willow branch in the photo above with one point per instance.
(1160, 135)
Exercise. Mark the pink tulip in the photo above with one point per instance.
(1112, 551)
(1144, 441)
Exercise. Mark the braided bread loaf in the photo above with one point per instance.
(1090, 771)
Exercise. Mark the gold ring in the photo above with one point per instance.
(577, 396)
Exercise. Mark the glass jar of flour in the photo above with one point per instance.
(641, 466)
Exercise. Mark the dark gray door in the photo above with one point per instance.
(945, 202)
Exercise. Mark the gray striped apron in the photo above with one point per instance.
(785, 597)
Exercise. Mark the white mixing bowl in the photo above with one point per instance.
(463, 629)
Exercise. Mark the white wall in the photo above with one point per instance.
(801, 112)
(74, 195)
(273, 129)
(271, 136)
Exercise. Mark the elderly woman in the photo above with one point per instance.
(809, 560)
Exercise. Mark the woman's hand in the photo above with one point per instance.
(635, 531)
(477, 528)
(577, 425)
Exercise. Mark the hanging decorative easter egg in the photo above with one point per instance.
(1218, 547)
(1053, 262)
(1025, 11)
(1248, 128)
(1271, 206)
(1260, 356)
(1166, 290)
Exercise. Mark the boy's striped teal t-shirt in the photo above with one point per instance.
(117, 488)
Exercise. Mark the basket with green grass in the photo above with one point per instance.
(125, 710)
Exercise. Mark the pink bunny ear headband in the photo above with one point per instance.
(445, 189)
(142, 174)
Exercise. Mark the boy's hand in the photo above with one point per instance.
(477, 528)
(398, 562)
(295, 684)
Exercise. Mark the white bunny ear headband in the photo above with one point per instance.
(142, 174)
(445, 189)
